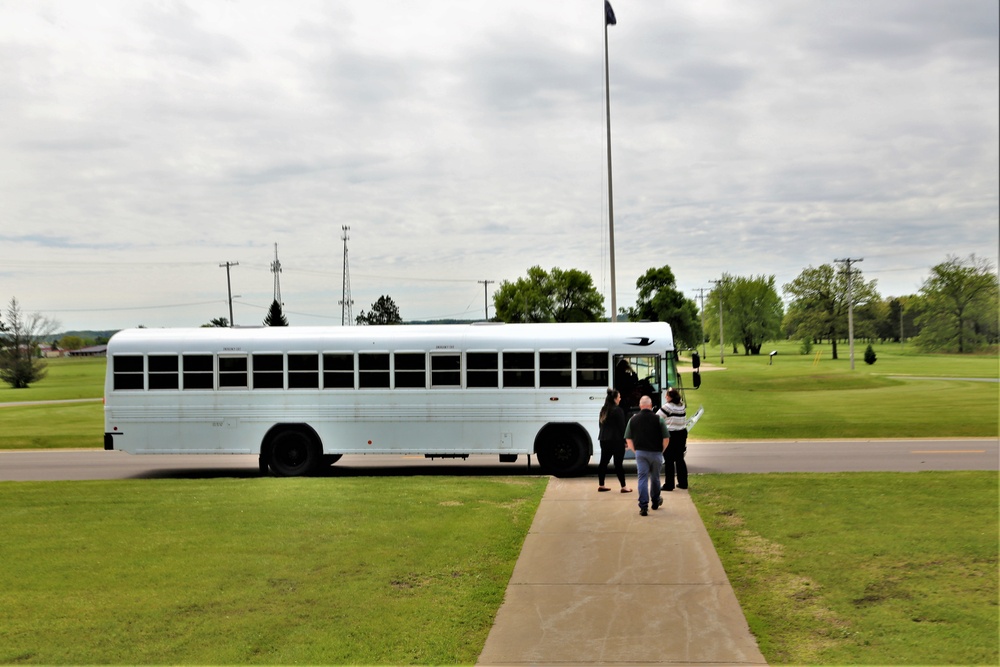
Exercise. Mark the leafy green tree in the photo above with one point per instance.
(71, 343)
(275, 318)
(959, 305)
(659, 300)
(20, 335)
(752, 311)
(221, 322)
(556, 296)
(820, 302)
(383, 311)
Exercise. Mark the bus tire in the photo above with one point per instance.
(562, 451)
(330, 459)
(293, 452)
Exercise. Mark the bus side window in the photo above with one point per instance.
(518, 369)
(446, 370)
(268, 371)
(127, 371)
(338, 371)
(233, 372)
(482, 370)
(199, 371)
(556, 369)
(592, 369)
(373, 370)
(410, 370)
(303, 371)
(164, 372)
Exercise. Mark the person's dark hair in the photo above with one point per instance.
(674, 396)
(609, 402)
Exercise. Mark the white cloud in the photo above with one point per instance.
(145, 143)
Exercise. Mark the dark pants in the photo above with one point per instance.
(610, 449)
(673, 461)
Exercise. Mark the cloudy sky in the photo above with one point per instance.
(144, 143)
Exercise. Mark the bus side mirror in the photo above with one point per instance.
(696, 380)
(695, 360)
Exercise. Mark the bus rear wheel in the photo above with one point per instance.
(293, 453)
(563, 453)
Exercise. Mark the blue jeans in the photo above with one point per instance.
(647, 464)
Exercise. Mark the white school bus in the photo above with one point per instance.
(302, 397)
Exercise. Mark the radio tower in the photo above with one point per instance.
(276, 270)
(345, 303)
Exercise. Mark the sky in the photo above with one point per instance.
(144, 144)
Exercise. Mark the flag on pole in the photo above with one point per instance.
(609, 14)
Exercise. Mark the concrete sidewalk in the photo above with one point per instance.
(597, 584)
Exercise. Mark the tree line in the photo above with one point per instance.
(956, 309)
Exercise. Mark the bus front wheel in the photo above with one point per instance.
(562, 453)
(293, 453)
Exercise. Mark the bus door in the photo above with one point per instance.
(638, 375)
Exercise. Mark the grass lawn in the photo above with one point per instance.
(262, 571)
(802, 397)
(861, 568)
(797, 397)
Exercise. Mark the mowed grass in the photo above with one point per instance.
(903, 395)
(261, 571)
(797, 397)
(861, 568)
(66, 378)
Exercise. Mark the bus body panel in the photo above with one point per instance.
(457, 419)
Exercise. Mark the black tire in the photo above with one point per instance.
(563, 453)
(293, 453)
(330, 459)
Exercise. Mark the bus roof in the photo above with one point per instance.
(619, 337)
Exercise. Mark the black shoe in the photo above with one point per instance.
(643, 512)
(664, 488)
(657, 503)
(679, 486)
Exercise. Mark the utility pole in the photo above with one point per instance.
(722, 344)
(486, 307)
(276, 269)
(850, 302)
(609, 19)
(229, 289)
(345, 301)
(701, 294)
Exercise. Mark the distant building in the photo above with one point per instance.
(92, 351)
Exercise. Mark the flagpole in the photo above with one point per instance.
(609, 19)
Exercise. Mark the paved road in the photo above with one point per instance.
(904, 455)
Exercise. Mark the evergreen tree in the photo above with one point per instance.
(384, 311)
(275, 318)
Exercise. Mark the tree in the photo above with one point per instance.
(752, 311)
(959, 305)
(870, 355)
(820, 302)
(70, 343)
(659, 300)
(275, 318)
(556, 296)
(217, 322)
(19, 339)
(384, 311)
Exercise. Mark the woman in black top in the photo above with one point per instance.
(612, 438)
